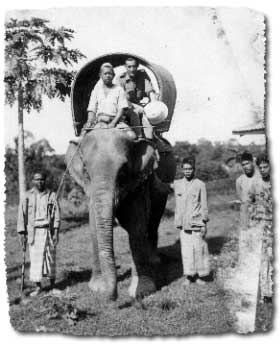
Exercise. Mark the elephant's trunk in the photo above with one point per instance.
(103, 200)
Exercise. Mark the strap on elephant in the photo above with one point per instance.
(142, 179)
(128, 127)
(57, 195)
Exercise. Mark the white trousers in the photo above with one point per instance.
(42, 256)
(195, 255)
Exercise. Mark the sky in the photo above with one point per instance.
(216, 58)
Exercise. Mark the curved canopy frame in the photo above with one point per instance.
(88, 76)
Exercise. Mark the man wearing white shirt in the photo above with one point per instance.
(107, 101)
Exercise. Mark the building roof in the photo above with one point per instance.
(253, 128)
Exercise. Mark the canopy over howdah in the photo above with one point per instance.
(88, 76)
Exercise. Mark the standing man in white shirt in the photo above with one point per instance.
(191, 217)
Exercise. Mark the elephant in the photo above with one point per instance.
(118, 176)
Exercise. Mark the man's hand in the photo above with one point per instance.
(91, 121)
(83, 133)
(154, 96)
(204, 231)
(112, 124)
(55, 238)
(171, 188)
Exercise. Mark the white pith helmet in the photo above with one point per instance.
(156, 112)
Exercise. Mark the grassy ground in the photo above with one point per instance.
(172, 310)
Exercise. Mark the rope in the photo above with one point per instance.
(67, 168)
(116, 127)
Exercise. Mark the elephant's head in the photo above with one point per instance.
(114, 165)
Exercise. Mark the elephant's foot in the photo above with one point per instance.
(141, 286)
(99, 286)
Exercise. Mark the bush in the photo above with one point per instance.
(214, 161)
(39, 156)
(218, 160)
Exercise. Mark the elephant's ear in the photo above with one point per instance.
(143, 157)
(76, 167)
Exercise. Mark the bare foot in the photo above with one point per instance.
(36, 292)
(200, 281)
(186, 283)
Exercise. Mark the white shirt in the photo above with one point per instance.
(243, 186)
(107, 100)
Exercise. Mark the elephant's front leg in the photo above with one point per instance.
(134, 218)
(103, 278)
(96, 282)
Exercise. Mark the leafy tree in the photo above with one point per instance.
(39, 156)
(218, 160)
(34, 55)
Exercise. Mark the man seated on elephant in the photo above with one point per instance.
(106, 108)
(107, 103)
(137, 85)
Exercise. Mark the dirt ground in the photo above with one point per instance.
(172, 310)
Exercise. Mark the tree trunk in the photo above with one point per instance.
(21, 169)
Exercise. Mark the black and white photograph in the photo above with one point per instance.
(138, 183)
